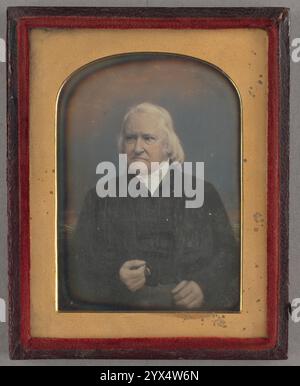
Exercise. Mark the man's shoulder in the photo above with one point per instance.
(196, 181)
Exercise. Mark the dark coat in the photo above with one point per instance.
(177, 244)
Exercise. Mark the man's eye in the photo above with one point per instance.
(149, 138)
(130, 138)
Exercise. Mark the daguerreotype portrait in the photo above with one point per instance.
(148, 193)
(149, 182)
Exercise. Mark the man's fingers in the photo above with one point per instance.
(189, 295)
(136, 273)
(196, 303)
(136, 286)
(187, 300)
(179, 287)
(184, 292)
(134, 264)
(132, 274)
(134, 281)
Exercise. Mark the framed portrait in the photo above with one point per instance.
(148, 182)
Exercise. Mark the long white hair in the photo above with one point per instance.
(174, 148)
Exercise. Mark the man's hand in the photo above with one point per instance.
(188, 294)
(132, 274)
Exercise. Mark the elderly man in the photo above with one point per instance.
(152, 253)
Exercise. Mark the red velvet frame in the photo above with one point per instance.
(20, 21)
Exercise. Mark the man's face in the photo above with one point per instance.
(145, 139)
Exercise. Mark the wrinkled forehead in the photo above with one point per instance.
(150, 122)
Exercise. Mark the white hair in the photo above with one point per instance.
(174, 148)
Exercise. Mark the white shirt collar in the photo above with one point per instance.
(152, 181)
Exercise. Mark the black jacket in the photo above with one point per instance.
(177, 244)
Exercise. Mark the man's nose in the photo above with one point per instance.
(139, 148)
